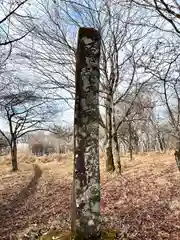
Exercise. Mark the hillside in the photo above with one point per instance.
(143, 203)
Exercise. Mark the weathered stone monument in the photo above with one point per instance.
(86, 184)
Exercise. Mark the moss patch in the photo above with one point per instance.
(56, 235)
(106, 234)
(109, 234)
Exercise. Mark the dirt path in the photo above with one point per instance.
(10, 209)
(143, 204)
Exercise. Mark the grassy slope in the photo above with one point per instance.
(144, 203)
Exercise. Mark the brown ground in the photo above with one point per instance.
(144, 203)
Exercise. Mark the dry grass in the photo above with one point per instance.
(143, 203)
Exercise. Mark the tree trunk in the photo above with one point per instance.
(116, 145)
(86, 183)
(110, 167)
(177, 155)
(14, 155)
(164, 144)
(161, 142)
(147, 143)
(136, 141)
(130, 142)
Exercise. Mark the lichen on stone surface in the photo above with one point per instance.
(86, 183)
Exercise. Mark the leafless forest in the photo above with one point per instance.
(89, 119)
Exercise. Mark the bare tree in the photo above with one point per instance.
(12, 14)
(9, 13)
(51, 52)
(168, 11)
(52, 56)
(120, 44)
(3, 145)
(23, 111)
(62, 132)
(164, 68)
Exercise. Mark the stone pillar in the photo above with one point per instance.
(86, 183)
